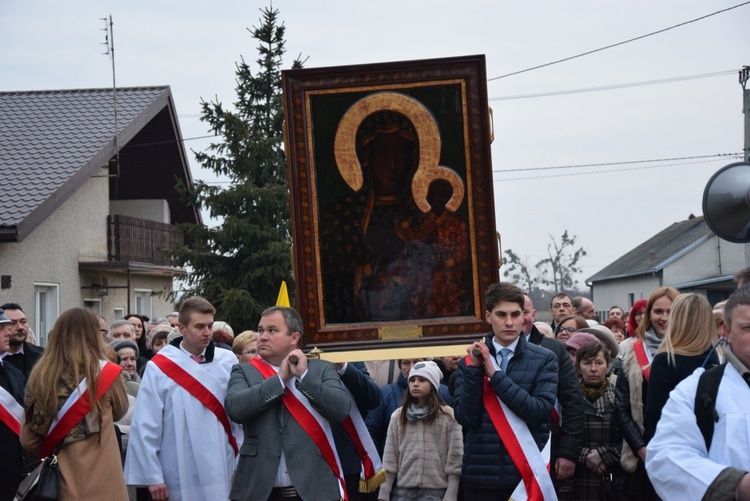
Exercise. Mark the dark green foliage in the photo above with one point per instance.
(239, 264)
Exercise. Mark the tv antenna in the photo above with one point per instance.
(109, 43)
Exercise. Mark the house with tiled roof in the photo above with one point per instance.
(89, 206)
(686, 255)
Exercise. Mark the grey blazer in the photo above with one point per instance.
(256, 403)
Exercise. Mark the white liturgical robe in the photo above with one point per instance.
(176, 440)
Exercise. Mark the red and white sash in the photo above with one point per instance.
(373, 473)
(191, 384)
(309, 420)
(77, 406)
(531, 463)
(556, 414)
(643, 356)
(11, 412)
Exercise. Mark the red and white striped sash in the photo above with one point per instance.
(194, 387)
(309, 419)
(11, 412)
(77, 406)
(643, 356)
(531, 463)
(373, 473)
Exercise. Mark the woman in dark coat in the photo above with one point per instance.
(598, 471)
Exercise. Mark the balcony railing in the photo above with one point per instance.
(134, 239)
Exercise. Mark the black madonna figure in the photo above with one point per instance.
(375, 268)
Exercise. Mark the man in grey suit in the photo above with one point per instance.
(278, 459)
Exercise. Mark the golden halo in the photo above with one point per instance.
(428, 135)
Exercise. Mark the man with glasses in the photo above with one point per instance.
(21, 354)
(560, 306)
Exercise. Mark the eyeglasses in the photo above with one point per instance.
(569, 330)
(103, 332)
(638, 314)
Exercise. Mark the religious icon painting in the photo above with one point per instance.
(392, 201)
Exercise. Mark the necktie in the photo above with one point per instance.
(197, 358)
(504, 354)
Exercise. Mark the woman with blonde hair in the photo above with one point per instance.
(687, 345)
(245, 346)
(632, 387)
(59, 418)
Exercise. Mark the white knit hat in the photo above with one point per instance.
(428, 370)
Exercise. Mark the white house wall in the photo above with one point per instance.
(77, 231)
(713, 258)
(50, 253)
(617, 292)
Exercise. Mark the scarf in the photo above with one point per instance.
(414, 413)
(593, 393)
(652, 341)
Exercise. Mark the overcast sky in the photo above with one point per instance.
(193, 45)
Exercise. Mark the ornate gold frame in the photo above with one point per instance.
(324, 108)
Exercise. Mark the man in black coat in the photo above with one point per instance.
(12, 385)
(21, 354)
(366, 395)
(566, 440)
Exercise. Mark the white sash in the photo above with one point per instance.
(12, 408)
(364, 435)
(74, 396)
(538, 460)
(323, 422)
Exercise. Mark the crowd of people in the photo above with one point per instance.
(651, 403)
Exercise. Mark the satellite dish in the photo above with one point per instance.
(726, 202)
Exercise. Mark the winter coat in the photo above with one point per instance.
(528, 388)
(602, 433)
(90, 468)
(566, 441)
(390, 399)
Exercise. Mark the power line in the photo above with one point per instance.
(603, 171)
(626, 162)
(616, 86)
(619, 43)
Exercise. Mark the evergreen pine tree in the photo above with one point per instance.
(239, 265)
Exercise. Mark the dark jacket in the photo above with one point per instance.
(390, 399)
(566, 442)
(629, 427)
(26, 361)
(11, 457)
(664, 378)
(528, 389)
(367, 396)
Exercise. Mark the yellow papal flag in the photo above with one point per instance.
(283, 299)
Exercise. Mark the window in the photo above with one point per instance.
(143, 302)
(119, 313)
(46, 310)
(93, 305)
(631, 299)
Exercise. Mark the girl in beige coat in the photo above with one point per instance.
(424, 447)
(89, 460)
